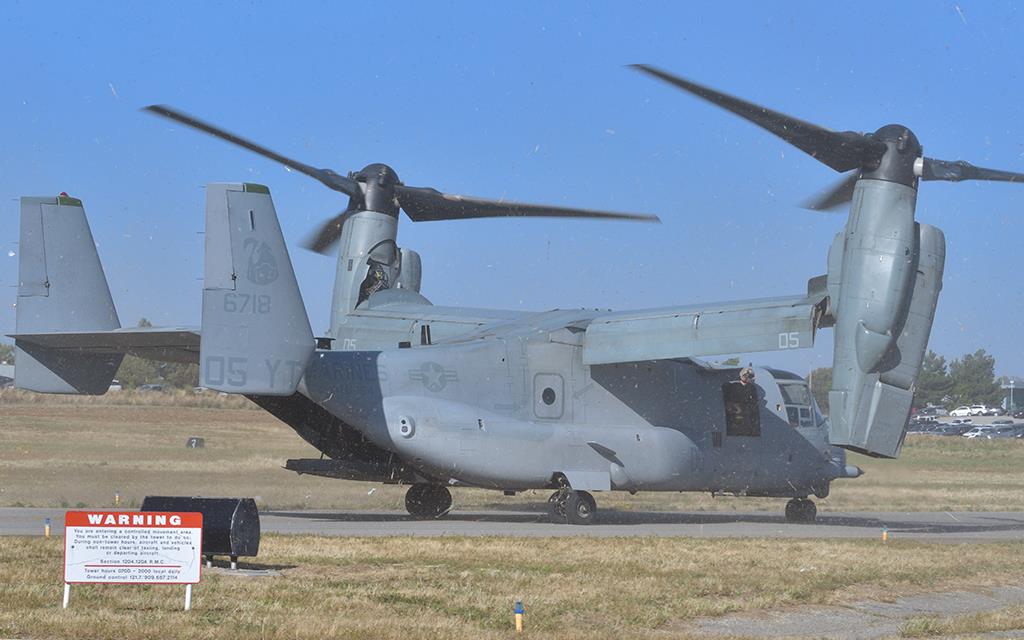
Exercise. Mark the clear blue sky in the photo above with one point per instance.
(529, 101)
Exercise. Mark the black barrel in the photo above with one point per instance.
(231, 526)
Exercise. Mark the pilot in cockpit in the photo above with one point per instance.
(375, 280)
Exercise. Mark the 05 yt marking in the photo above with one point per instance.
(233, 371)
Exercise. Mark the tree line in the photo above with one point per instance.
(135, 372)
(970, 379)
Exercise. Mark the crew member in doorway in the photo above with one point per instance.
(747, 377)
(375, 280)
(742, 410)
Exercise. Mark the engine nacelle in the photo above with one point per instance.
(885, 274)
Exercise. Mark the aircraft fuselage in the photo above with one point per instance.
(517, 409)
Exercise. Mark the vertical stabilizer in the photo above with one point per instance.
(62, 288)
(256, 337)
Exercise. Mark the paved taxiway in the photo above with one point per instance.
(943, 526)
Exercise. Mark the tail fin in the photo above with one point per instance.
(62, 287)
(256, 337)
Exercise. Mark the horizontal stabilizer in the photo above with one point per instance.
(153, 343)
(256, 334)
(703, 330)
(61, 288)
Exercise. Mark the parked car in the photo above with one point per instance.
(919, 424)
(1004, 431)
(961, 412)
(152, 387)
(962, 421)
(1019, 414)
(981, 431)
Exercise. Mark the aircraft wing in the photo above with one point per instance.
(179, 344)
(744, 326)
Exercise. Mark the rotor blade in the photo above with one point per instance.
(841, 150)
(423, 204)
(840, 193)
(327, 234)
(958, 171)
(329, 178)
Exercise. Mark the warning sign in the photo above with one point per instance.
(118, 546)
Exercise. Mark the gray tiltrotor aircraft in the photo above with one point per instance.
(574, 401)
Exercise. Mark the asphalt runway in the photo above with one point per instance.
(943, 526)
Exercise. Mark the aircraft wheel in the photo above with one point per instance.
(580, 508)
(801, 510)
(428, 501)
(810, 511)
(556, 507)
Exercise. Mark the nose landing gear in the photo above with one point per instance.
(801, 510)
(428, 501)
(572, 507)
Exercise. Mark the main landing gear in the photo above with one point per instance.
(428, 501)
(801, 510)
(573, 507)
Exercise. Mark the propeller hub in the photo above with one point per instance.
(378, 182)
(897, 163)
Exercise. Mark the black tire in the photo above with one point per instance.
(556, 507)
(580, 508)
(809, 512)
(428, 501)
(801, 510)
(791, 510)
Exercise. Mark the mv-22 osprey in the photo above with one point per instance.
(575, 401)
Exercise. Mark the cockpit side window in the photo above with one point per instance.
(800, 408)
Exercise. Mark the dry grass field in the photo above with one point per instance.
(455, 588)
(60, 451)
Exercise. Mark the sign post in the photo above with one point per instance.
(132, 548)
